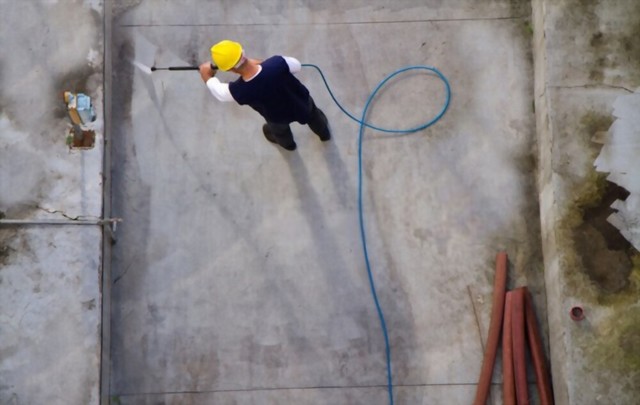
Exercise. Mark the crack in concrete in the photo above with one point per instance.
(24, 313)
(587, 86)
(76, 218)
(475, 314)
(124, 273)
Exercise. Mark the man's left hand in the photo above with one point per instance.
(206, 72)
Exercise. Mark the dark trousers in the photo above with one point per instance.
(318, 124)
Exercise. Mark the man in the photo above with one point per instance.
(270, 88)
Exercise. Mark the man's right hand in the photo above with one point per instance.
(206, 72)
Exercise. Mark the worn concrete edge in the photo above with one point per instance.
(105, 346)
(558, 336)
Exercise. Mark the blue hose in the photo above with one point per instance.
(363, 123)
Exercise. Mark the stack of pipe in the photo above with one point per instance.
(513, 316)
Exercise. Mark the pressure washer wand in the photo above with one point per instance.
(153, 68)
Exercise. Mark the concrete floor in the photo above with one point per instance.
(238, 272)
(50, 296)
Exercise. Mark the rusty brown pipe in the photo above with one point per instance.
(519, 346)
(508, 382)
(543, 380)
(499, 286)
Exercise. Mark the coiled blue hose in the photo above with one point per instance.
(363, 123)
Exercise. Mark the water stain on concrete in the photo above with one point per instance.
(601, 252)
(4, 103)
(192, 51)
(26, 180)
(604, 251)
(11, 241)
(610, 47)
(122, 6)
(89, 305)
(124, 53)
(155, 314)
(5, 252)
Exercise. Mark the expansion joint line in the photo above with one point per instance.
(435, 20)
(304, 388)
(593, 86)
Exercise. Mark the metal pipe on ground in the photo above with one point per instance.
(508, 380)
(497, 311)
(22, 222)
(543, 380)
(153, 68)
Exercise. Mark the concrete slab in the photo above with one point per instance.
(238, 273)
(585, 60)
(50, 297)
(50, 315)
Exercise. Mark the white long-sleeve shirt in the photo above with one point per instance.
(221, 91)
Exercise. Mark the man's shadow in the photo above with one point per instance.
(330, 253)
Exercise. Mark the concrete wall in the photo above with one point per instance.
(586, 56)
(49, 275)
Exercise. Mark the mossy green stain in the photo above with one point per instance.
(617, 341)
(588, 194)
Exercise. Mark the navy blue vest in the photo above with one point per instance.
(275, 93)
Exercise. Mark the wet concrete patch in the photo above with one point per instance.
(602, 254)
(123, 87)
(593, 122)
(613, 49)
(122, 6)
(5, 252)
(23, 181)
(597, 215)
(611, 46)
(603, 40)
(605, 253)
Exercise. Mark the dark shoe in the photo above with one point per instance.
(271, 138)
(325, 137)
(291, 147)
(268, 134)
(326, 133)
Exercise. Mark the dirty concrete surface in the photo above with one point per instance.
(617, 157)
(588, 262)
(238, 272)
(50, 297)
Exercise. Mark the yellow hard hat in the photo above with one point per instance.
(226, 54)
